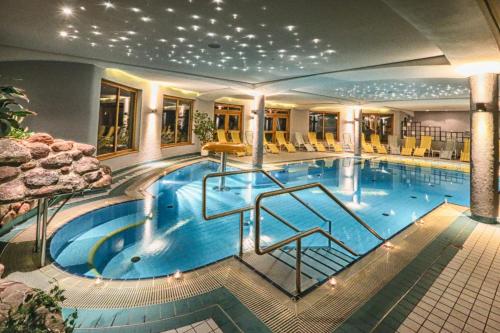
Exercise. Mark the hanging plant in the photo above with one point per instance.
(12, 112)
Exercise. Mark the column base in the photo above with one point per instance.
(484, 219)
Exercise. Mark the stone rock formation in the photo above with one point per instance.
(42, 166)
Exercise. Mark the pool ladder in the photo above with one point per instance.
(297, 238)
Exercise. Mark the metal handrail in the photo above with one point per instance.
(298, 237)
(244, 209)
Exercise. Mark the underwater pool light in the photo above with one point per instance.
(388, 245)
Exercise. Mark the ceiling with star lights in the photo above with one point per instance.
(397, 53)
(243, 40)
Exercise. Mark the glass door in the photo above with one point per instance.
(276, 120)
(228, 117)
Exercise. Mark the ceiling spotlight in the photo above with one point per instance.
(83, 8)
(97, 33)
(218, 9)
(218, 1)
(212, 21)
(227, 37)
(131, 33)
(135, 9)
(94, 27)
(250, 36)
(195, 17)
(181, 39)
(290, 27)
(108, 4)
(330, 51)
(211, 34)
(67, 11)
(170, 10)
(316, 40)
(239, 29)
(63, 34)
(180, 28)
(146, 19)
(235, 16)
(123, 38)
(195, 27)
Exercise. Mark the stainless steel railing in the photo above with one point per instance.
(301, 234)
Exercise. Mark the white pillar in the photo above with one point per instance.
(258, 135)
(484, 147)
(357, 131)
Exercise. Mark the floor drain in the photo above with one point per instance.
(385, 214)
(135, 259)
(448, 195)
(413, 197)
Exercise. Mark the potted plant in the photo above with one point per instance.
(204, 129)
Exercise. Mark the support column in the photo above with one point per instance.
(484, 147)
(258, 134)
(357, 131)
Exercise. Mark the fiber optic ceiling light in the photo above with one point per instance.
(336, 43)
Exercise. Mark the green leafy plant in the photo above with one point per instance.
(204, 127)
(12, 112)
(37, 312)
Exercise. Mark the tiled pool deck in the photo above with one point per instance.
(442, 275)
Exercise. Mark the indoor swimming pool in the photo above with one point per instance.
(167, 233)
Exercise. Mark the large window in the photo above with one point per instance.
(176, 121)
(324, 122)
(381, 124)
(117, 111)
(228, 117)
(276, 120)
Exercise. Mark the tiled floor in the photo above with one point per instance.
(205, 326)
(466, 295)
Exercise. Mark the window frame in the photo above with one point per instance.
(368, 114)
(337, 134)
(274, 114)
(227, 113)
(191, 114)
(127, 151)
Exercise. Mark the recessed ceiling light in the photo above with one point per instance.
(108, 4)
(212, 21)
(195, 17)
(239, 29)
(83, 8)
(163, 40)
(123, 38)
(97, 33)
(290, 27)
(135, 9)
(330, 51)
(316, 40)
(195, 27)
(181, 39)
(63, 34)
(170, 10)
(67, 11)
(228, 37)
(250, 36)
(211, 34)
(146, 19)
(235, 16)
(180, 28)
(130, 32)
(218, 9)
(218, 1)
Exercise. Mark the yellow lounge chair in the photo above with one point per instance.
(367, 148)
(221, 138)
(235, 138)
(410, 143)
(425, 146)
(332, 143)
(375, 139)
(271, 146)
(314, 141)
(280, 138)
(465, 153)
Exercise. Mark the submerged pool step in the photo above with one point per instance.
(317, 265)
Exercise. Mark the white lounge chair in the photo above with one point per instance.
(299, 142)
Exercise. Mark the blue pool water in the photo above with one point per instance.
(168, 233)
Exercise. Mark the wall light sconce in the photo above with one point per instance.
(480, 107)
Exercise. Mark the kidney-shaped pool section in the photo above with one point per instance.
(166, 233)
